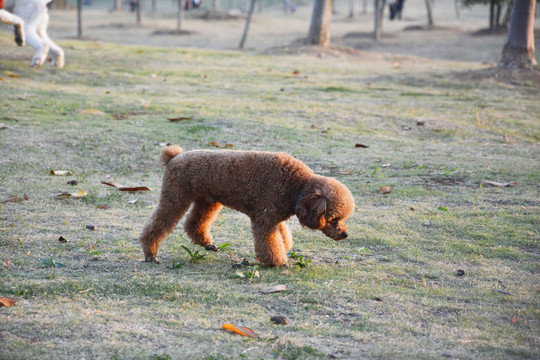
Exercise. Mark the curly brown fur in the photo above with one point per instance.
(268, 187)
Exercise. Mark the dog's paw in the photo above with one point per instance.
(151, 259)
(212, 247)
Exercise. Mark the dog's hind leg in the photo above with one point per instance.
(172, 206)
(33, 14)
(269, 244)
(286, 235)
(57, 54)
(199, 221)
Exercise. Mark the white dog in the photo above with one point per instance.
(34, 15)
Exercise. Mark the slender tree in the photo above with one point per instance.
(518, 50)
(379, 15)
(429, 8)
(319, 29)
(79, 19)
(117, 5)
(248, 21)
(179, 16)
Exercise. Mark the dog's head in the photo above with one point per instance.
(324, 204)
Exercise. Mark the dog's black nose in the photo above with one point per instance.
(344, 235)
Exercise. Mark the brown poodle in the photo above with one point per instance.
(268, 187)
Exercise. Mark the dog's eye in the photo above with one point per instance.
(334, 221)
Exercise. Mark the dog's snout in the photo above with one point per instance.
(344, 235)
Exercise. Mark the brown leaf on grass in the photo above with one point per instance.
(4, 301)
(15, 199)
(76, 195)
(92, 111)
(296, 72)
(273, 289)
(11, 74)
(91, 227)
(498, 184)
(326, 131)
(361, 146)
(7, 263)
(125, 188)
(61, 172)
(385, 190)
(180, 118)
(239, 330)
(346, 172)
(514, 320)
(213, 143)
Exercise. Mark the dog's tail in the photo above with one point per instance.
(168, 152)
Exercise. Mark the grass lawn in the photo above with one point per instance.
(391, 290)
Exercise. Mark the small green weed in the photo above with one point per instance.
(301, 263)
(195, 256)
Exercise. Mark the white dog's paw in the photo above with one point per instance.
(59, 61)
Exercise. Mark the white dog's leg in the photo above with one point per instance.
(18, 24)
(57, 54)
(32, 13)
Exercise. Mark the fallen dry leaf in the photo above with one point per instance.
(180, 118)
(385, 190)
(4, 301)
(91, 227)
(125, 188)
(273, 289)
(7, 263)
(76, 195)
(498, 184)
(61, 172)
(346, 172)
(11, 74)
(15, 199)
(63, 239)
(239, 330)
(213, 143)
(361, 145)
(92, 111)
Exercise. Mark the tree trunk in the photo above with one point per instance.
(492, 16)
(352, 8)
(498, 16)
(79, 19)
(139, 3)
(457, 5)
(518, 50)
(429, 8)
(319, 29)
(179, 16)
(379, 14)
(248, 21)
(364, 7)
(117, 5)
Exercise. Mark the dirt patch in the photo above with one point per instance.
(528, 78)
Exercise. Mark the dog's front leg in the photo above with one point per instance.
(269, 243)
(199, 221)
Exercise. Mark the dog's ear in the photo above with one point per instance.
(311, 209)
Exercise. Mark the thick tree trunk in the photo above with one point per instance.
(117, 5)
(379, 14)
(518, 50)
(319, 29)
(352, 8)
(429, 8)
(492, 16)
(248, 21)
